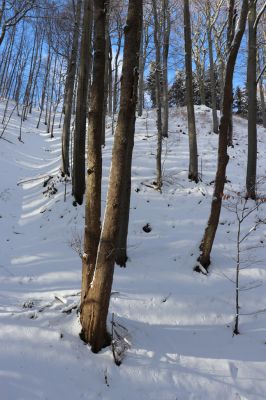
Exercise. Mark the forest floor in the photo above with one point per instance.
(176, 324)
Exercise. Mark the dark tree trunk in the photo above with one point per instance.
(262, 102)
(252, 102)
(44, 88)
(158, 88)
(223, 158)
(70, 82)
(230, 37)
(141, 75)
(166, 37)
(78, 174)
(96, 303)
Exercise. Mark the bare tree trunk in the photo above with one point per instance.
(94, 157)
(223, 158)
(51, 98)
(166, 36)
(110, 79)
(262, 102)
(26, 100)
(141, 76)
(212, 79)
(158, 69)
(230, 35)
(72, 67)
(44, 88)
(78, 176)
(36, 75)
(58, 97)
(108, 51)
(116, 66)
(8, 59)
(96, 303)
(252, 102)
(193, 151)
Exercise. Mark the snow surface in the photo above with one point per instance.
(177, 323)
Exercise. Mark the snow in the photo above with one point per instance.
(177, 324)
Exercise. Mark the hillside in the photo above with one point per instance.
(177, 324)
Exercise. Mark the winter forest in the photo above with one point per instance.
(133, 199)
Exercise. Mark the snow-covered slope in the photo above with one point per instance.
(177, 324)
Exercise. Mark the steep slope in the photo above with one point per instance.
(176, 324)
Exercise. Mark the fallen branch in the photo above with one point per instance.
(49, 177)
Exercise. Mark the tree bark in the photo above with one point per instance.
(94, 157)
(193, 151)
(70, 82)
(158, 69)
(223, 158)
(229, 39)
(78, 174)
(212, 79)
(108, 51)
(96, 303)
(262, 102)
(45, 84)
(252, 103)
(166, 37)
(141, 76)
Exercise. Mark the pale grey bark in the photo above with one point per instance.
(212, 79)
(193, 152)
(69, 91)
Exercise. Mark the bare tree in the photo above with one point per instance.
(96, 303)
(165, 38)
(253, 20)
(193, 152)
(223, 158)
(94, 157)
(69, 90)
(158, 69)
(78, 173)
(11, 13)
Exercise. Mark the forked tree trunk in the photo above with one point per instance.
(72, 66)
(252, 103)
(223, 158)
(96, 303)
(193, 151)
(94, 157)
(78, 174)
